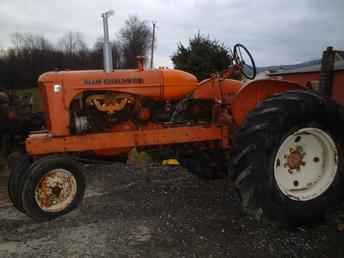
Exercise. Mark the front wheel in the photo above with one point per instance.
(288, 163)
(52, 186)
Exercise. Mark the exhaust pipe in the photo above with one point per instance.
(107, 50)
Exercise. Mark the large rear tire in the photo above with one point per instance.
(287, 162)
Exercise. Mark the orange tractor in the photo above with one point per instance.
(278, 140)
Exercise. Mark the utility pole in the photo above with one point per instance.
(153, 41)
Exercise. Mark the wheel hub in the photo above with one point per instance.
(294, 159)
(306, 164)
(56, 190)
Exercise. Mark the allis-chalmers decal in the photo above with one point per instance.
(114, 81)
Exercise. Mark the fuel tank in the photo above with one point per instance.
(159, 84)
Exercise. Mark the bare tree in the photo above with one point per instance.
(135, 39)
(3, 52)
(29, 42)
(72, 43)
(116, 52)
(30, 56)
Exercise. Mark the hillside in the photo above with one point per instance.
(288, 67)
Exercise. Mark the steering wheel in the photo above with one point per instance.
(241, 55)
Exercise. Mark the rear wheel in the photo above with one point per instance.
(306, 164)
(287, 162)
(53, 186)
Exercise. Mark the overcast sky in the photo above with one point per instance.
(276, 32)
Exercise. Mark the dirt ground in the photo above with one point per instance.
(159, 212)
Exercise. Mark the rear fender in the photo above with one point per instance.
(254, 92)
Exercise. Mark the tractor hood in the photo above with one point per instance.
(160, 84)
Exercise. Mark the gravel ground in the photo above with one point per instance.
(160, 212)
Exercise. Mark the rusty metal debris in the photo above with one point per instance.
(56, 190)
(294, 160)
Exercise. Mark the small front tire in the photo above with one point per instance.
(53, 187)
(18, 164)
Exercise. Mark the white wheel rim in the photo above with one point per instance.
(306, 164)
(56, 190)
